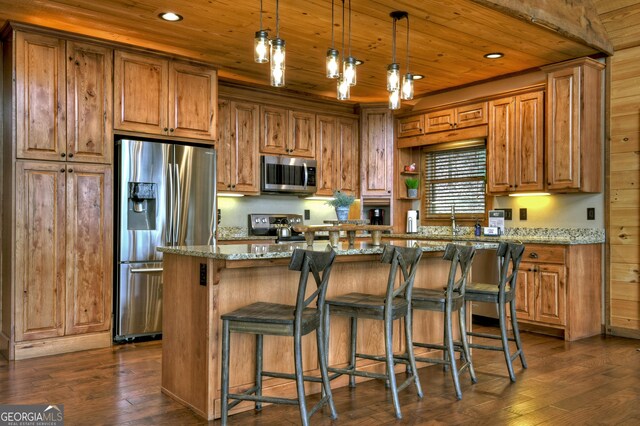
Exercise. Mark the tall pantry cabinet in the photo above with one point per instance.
(56, 195)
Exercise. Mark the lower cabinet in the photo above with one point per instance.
(63, 260)
(560, 287)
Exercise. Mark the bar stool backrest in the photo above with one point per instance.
(319, 264)
(509, 255)
(405, 258)
(461, 257)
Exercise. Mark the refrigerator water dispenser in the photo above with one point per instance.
(141, 212)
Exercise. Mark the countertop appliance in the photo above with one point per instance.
(166, 195)
(412, 221)
(269, 224)
(376, 216)
(287, 175)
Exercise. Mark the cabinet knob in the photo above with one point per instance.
(70, 170)
(63, 155)
(228, 186)
(61, 170)
(70, 155)
(233, 187)
(171, 130)
(166, 129)
(533, 255)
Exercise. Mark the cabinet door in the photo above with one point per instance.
(525, 292)
(411, 126)
(40, 250)
(529, 142)
(326, 155)
(551, 294)
(471, 115)
(377, 152)
(273, 130)
(500, 145)
(140, 93)
(192, 100)
(439, 120)
(348, 169)
(226, 144)
(302, 134)
(88, 248)
(245, 166)
(89, 103)
(40, 97)
(563, 129)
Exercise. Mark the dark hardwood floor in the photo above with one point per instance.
(591, 381)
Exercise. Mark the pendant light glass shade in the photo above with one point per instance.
(333, 63)
(343, 89)
(349, 70)
(394, 99)
(407, 87)
(261, 47)
(393, 77)
(277, 62)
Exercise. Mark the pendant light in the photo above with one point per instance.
(260, 43)
(343, 88)
(277, 55)
(333, 70)
(393, 69)
(407, 79)
(349, 63)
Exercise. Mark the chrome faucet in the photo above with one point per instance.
(453, 221)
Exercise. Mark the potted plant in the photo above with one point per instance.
(412, 187)
(341, 202)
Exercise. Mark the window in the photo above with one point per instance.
(455, 178)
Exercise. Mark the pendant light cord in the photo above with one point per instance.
(393, 46)
(407, 43)
(260, 15)
(343, 30)
(333, 45)
(277, 21)
(349, 27)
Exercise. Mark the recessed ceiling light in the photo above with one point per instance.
(170, 16)
(494, 55)
(418, 76)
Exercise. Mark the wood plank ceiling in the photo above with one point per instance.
(448, 38)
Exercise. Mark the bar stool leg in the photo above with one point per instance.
(388, 346)
(505, 341)
(322, 358)
(450, 351)
(224, 394)
(297, 349)
(258, 405)
(408, 333)
(462, 315)
(516, 332)
(354, 338)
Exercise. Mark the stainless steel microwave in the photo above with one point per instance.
(287, 175)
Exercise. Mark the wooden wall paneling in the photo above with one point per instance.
(89, 73)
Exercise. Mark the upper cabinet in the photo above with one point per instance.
(287, 132)
(515, 144)
(49, 125)
(337, 154)
(164, 97)
(574, 140)
(376, 150)
(455, 118)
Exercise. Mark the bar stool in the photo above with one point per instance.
(394, 305)
(509, 257)
(284, 320)
(448, 301)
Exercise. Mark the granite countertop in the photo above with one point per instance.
(276, 251)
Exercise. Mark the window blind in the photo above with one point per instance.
(455, 178)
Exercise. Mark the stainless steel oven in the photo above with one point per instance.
(287, 175)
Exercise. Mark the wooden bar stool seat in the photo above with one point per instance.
(276, 319)
(501, 293)
(394, 305)
(448, 301)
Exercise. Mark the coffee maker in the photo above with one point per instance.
(376, 216)
(412, 221)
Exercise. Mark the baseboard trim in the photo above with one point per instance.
(623, 332)
(60, 345)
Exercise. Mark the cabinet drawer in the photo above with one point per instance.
(542, 253)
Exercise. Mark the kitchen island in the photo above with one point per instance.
(202, 283)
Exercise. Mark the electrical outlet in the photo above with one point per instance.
(203, 274)
(307, 214)
(591, 213)
(508, 215)
(523, 214)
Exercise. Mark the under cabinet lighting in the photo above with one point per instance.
(529, 194)
(230, 194)
(170, 16)
(318, 198)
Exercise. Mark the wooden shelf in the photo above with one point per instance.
(408, 198)
(404, 172)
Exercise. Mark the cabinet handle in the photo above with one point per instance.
(61, 170)
(63, 155)
(533, 255)
(233, 187)
(70, 170)
(171, 130)
(166, 129)
(70, 155)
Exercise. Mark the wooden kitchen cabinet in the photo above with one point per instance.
(376, 152)
(63, 255)
(573, 119)
(558, 287)
(302, 134)
(336, 154)
(49, 125)
(515, 144)
(411, 126)
(237, 149)
(287, 132)
(455, 118)
(160, 96)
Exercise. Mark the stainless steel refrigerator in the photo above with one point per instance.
(166, 195)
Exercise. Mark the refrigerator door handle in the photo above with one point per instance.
(178, 205)
(170, 206)
(144, 270)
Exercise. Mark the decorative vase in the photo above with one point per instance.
(342, 212)
(412, 192)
